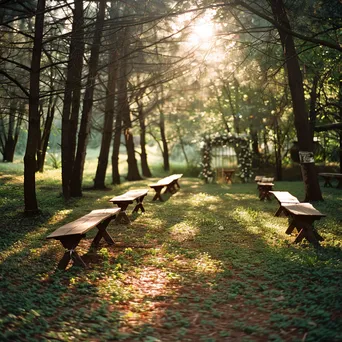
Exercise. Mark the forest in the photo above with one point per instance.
(170, 170)
(126, 77)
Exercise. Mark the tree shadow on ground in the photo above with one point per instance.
(220, 270)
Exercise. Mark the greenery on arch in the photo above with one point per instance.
(241, 144)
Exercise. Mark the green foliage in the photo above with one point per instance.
(55, 160)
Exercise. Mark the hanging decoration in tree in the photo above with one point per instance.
(243, 153)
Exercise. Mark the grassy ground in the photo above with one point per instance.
(211, 263)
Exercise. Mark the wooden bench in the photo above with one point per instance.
(258, 178)
(72, 233)
(228, 174)
(261, 179)
(283, 197)
(123, 201)
(329, 176)
(264, 190)
(302, 217)
(171, 184)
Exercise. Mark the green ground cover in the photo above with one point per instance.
(211, 263)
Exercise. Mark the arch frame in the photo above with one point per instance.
(240, 142)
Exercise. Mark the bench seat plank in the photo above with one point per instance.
(84, 223)
(130, 195)
(303, 209)
(283, 197)
(124, 200)
(171, 182)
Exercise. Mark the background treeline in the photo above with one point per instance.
(130, 77)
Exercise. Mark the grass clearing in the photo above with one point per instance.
(211, 263)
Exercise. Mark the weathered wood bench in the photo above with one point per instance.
(302, 217)
(283, 197)
(123, 201)
(72, 233)
(264, 190)
(330, 176)
(171, 184)
(260, 179)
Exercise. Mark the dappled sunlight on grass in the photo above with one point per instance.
(183, 231)
(19, 248)
(203, 199)
(238, 196)
(245, 215)
(59, 216)
(211, 263)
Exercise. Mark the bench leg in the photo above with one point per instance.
(158, 190)
(279, 211)
(122, 216)
(170, 188)
(291, 227)
(327, 183)
(70, 243)
(307, 231)
(102, 233)
(139, 205)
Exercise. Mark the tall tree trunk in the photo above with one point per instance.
(143, 157)
(116, 148)
(181, 142)
(255, 146)
(83, 135)
(277, 151)
(340, 115)
(99, 181)
(72, 97)
(313, 100)
(123, 107)
(11, 138)
(166, 161)
(304, 136)
(44, 141)
(30, 198)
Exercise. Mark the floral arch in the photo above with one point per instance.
(241, 144)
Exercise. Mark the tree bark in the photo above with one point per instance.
(99, 181)
(313, 100)
(143, 156)
(72, 98)
(9, 139)
(305, 141)
(44, 140)
(83, 134)
(166, 161)
(340, 119)
(116, 148)
(123, 107)
(30, 198)
(277, 151)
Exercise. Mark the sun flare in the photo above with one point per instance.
(202, 32)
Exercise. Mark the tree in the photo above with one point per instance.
(100, 176)
(31, 204)
(72, 97)
(304, 135)
(83, 134)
